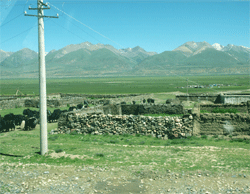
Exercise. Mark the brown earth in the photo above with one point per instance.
(43, 178)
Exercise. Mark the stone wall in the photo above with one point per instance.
(216, 98)
(112, 109)
(96, 122)
(235, 99)
(12, 103)
(242, 108)
(198, 97)
(141, 109)
(99, 96)
(92, 123)
(224, 124)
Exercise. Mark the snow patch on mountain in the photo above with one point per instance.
(218, 46)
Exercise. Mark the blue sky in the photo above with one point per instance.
(153, 25)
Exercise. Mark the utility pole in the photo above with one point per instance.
(42, 74)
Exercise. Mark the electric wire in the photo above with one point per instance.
(22, 32)
(67, 30)
(17, 35)
(74, 2)
(77, 27)
(83, 30)
(86, 26)
(11, 20)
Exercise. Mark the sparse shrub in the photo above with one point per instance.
(238, 140)
(99, 154)
(58, 150)
(142, 143)
(53, 138)
(138, 135)
(155, 142)
(204, 136)
(74, 133)
(204, 111)
(175, 150)
(113, 141)
(215, 136)
(176, 141)
(167, 144)
(218, 110)
(164, 115)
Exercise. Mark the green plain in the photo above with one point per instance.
(127, 150)
(126, 85)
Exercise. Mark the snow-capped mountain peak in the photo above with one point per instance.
(217, 46)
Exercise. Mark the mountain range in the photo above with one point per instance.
(98, 60)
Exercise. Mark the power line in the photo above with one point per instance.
(11, 20)
(83, 30)
(68, 30)
(87, 26)
(20, 33)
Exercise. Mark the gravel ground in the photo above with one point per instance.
(43, 178)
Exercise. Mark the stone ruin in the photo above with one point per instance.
(109, 120)
(98, 124)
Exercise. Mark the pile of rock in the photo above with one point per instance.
(98, 124)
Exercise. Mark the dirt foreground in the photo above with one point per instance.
(43, 178)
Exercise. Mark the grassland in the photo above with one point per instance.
(126, 85)
(140, 158)
(121, 164)
(213, 154)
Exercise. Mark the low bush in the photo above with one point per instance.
(204, 111)
(164, 115)
(58, 150)
(53, 138)
(219, 110)
(74, 133)
(99, 154)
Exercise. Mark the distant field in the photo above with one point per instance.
(126, 85)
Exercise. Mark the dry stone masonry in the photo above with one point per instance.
(98, 124)
(242, 108)
(141, 109)
(195, 124)
(224, 124)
